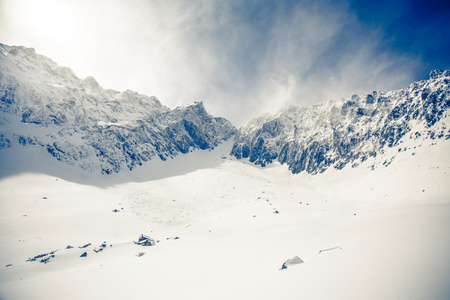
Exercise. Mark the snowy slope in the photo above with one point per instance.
(340, 132)
(361, 233)
(48, 108)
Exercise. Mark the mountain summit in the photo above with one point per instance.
(48, 108)
(348, 131)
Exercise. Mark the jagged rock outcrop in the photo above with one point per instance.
(100, 130)
(338, 132)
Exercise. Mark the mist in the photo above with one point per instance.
(241, 58)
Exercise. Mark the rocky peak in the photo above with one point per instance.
(79, 123)
(347, 131)
(435, 74)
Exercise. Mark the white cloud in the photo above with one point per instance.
(241, 59)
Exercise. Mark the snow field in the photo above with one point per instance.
(362, 233)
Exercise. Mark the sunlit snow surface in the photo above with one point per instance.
(362, 233)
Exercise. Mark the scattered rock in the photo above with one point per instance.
(292, 261)
(83, 255)
(9, 265)
(47, 259)
(140, 254)
(276, 212)
(116, 210)
(98, 250)
(85, 246)
(37, 256)
(69, 247)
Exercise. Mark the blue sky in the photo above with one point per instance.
(242, 58)
(419, 28)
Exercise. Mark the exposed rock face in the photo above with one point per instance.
(338, 132)
(80, 123)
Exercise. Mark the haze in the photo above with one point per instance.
(242, 58)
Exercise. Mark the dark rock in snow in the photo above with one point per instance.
(47, 259)
(44, 258)
(37, 256)
(145, 240)
(85, 246)
(84, 254)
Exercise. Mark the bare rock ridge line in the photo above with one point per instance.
(347, 131)
(79, 123)
(47, 108)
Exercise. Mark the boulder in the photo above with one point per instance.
(145, 240)
(292, 261)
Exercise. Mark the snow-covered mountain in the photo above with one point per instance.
(78, 122)
(223, 228)
(348, 131)
(47, 108)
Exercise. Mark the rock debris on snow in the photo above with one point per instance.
(329, 249)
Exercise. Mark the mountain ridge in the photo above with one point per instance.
(335, 133)
(79, 123)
